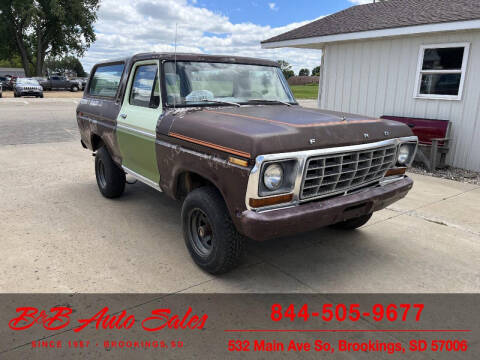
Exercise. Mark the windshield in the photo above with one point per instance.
(27, 82)
(196, 83)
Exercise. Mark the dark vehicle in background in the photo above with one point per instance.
(224, 135)
(8, 82)
(56, 82)
(39, 79)
(27, 87)
(82, 82)
(3, 81)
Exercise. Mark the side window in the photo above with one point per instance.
(105, 80)
(145, 90)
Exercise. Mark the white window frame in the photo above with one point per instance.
(420, 72)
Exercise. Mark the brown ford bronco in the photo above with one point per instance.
(225, 135)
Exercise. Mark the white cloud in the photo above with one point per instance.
(273, 6)
(361, 2)
(126, 27)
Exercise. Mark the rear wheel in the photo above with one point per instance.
(352, 223)
(74, 88)
(210, 236)
(110, 178)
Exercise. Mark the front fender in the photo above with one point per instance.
(231, 180)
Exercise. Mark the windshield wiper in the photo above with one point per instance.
(217, 101)
(270, 101)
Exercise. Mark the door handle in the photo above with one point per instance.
(123, 116)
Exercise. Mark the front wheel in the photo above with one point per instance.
(110, 178)
(74, 88)
(352, 223)
(210, 236)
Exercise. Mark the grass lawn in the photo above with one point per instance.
(309, 91)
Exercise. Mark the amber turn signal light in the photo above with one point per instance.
(274, 200)
(396, 171)
(237, 161)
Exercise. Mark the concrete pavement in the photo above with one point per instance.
(33, 121)
(57, 234)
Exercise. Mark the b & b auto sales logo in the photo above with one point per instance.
(59, 317)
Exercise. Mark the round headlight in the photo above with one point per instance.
(273, 176)
(403, 154)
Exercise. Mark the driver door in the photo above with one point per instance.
(137, 120)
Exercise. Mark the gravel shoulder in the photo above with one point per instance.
(450, 173)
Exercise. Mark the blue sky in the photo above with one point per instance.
(283, 12)
(233, 27)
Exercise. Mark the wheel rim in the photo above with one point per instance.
(201, 233)
(101, 174)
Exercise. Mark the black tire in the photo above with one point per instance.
(110, 177)
(15, 94)
(227, 245)
(352, 224)
(41, 96)
(74, 88)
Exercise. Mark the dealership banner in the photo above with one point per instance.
(231, 326)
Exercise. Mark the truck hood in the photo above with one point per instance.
(249, 131)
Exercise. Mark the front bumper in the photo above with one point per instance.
(30, 93)
(316, 214)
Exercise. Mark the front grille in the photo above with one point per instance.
(337, 173)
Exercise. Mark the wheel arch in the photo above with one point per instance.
(186, 181)
(96, 141)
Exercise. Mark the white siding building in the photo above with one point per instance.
(412, 58)
(12, 72)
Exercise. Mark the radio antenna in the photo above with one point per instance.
(175, 62)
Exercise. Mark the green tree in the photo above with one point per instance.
(13, 62)
(286, 68)
(316, 71)
(304, 72)
(67, 63)
(33, 29)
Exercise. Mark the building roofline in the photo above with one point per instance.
(319, 41)
(11, 69)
